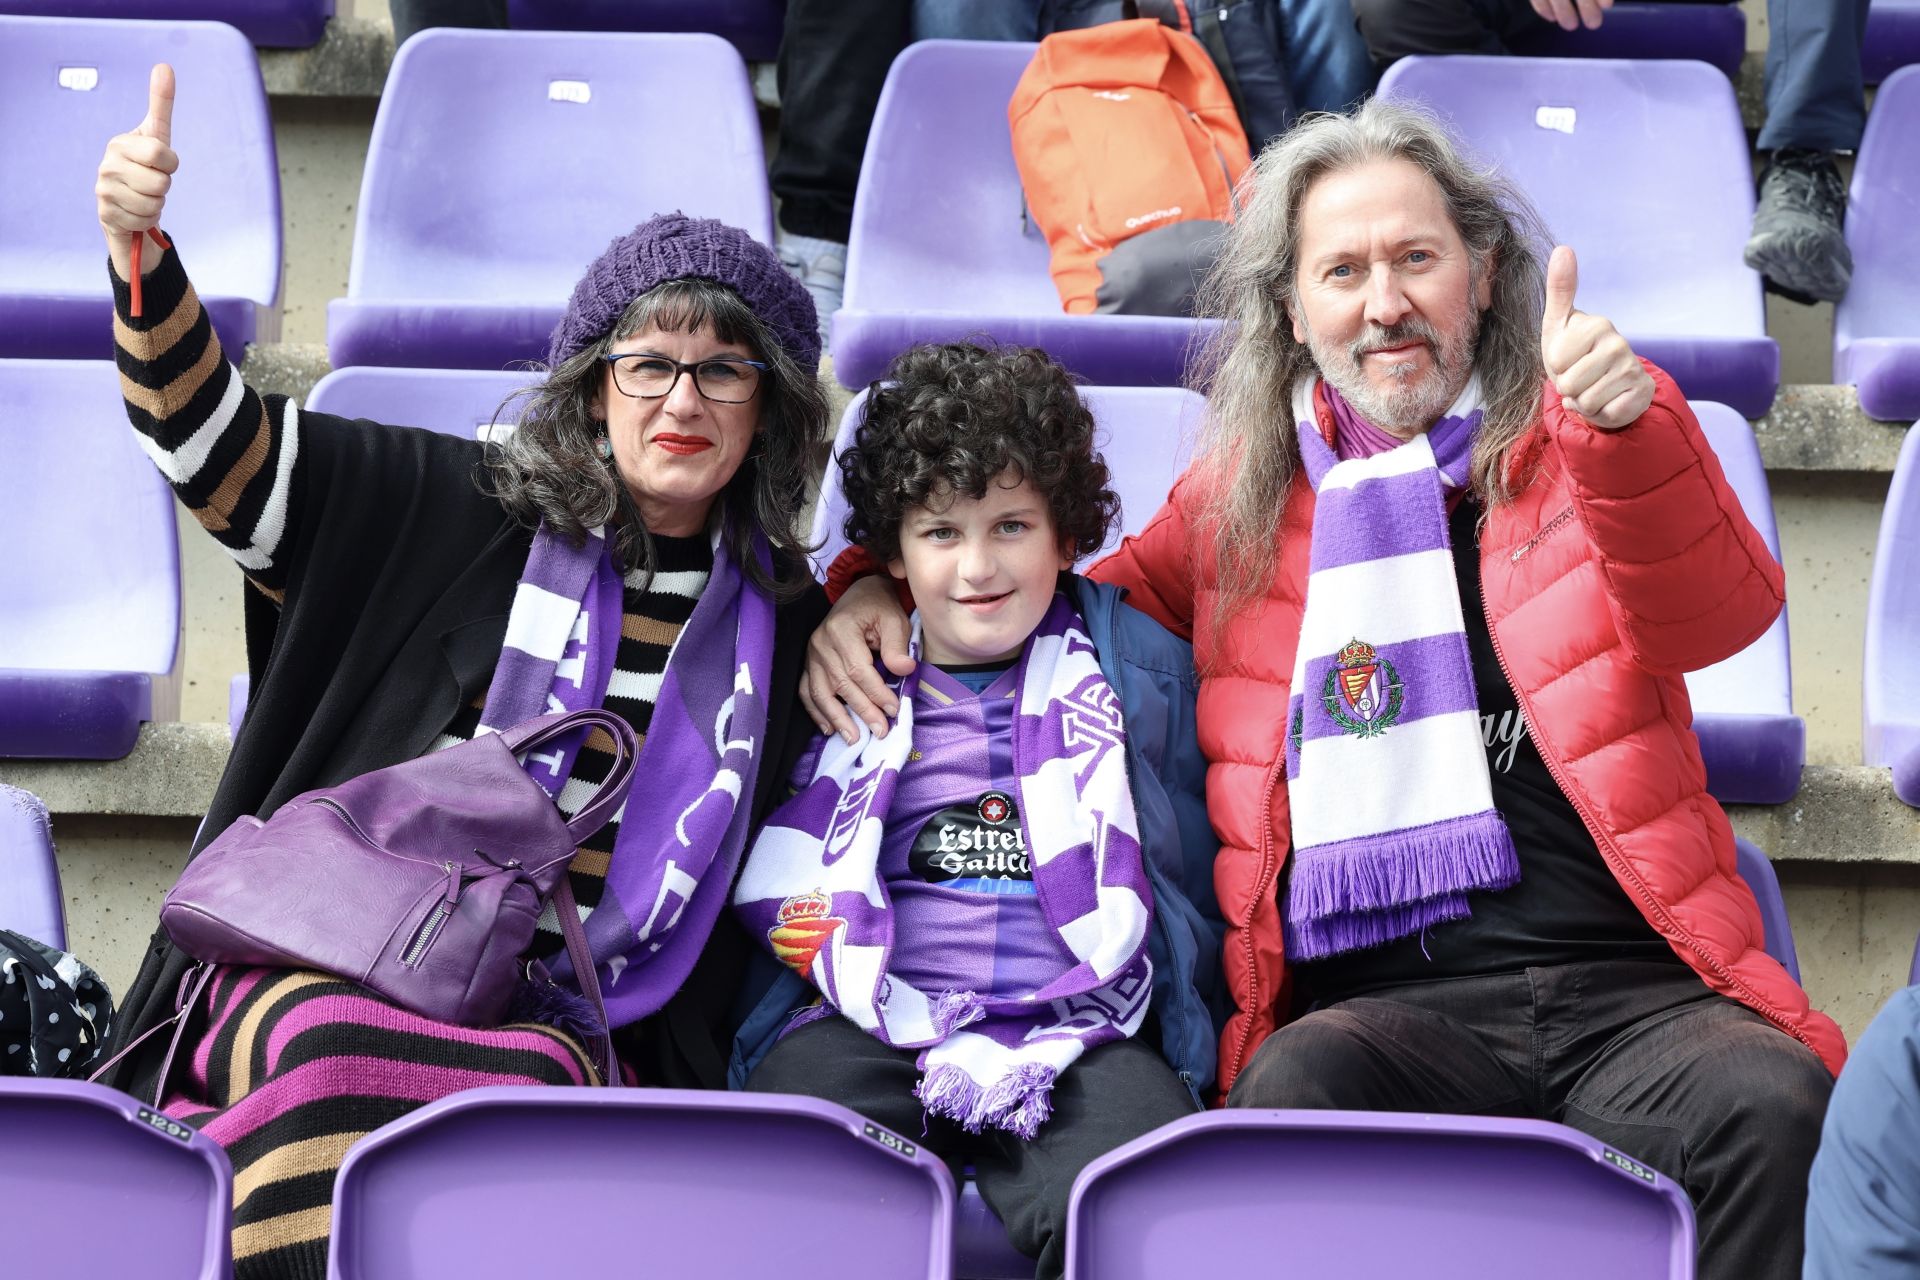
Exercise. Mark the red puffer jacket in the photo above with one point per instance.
(1625, 562)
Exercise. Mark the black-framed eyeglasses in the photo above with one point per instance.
(724, 380)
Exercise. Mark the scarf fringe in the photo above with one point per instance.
(1019, 1101)
(1361, 893)
(956, 1009)
(1377, 872)
(1358, 931)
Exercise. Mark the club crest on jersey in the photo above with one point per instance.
(806, 922)
(1362, 693)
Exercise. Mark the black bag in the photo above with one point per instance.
(55, 1012)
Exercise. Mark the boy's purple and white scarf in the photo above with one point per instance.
(812, 893)
(672, 863)
(1392, 812)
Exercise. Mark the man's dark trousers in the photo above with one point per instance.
(1638, 1054)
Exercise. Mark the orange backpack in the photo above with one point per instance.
(1119, 129)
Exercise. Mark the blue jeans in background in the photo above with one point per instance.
(1326, 60)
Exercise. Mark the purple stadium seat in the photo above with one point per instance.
(1754, 744)
(90, 589)
(1644, 168)
(1876, 327)
(66, 86)
(503, 162)
(239, 689)
(461, 402)
(942, 247)
(1757, 870)
(1145, 433)
(1710, 33)
(981, 1250)
(1893, 38)
(30, 900)
(752, 26)
(280, 24)
(1890, 701)
(100, 1185)
(725, 1186)
(1368, 1196)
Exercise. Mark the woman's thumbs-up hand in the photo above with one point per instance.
(135, 175)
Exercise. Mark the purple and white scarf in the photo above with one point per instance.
(812, 893)
(671, 865)
(1392, 811)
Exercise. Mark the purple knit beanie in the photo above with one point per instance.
(670, 246)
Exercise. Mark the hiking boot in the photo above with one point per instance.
(1797, 241)
(820, 265)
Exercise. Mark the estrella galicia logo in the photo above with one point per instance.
(974, 845)
(1626, 1165)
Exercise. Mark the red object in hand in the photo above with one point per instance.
(133, 263)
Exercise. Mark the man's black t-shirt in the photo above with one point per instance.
(1568, 907)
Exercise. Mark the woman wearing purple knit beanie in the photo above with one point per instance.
(634, 544)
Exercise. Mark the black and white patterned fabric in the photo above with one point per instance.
(55, 1012)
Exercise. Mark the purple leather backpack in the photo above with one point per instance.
(421, 882)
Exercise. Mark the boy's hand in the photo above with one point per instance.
(840, 683)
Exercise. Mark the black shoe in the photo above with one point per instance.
(1797, 241)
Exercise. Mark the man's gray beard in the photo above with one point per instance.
(1404, 410)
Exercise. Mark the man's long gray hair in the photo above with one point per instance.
(1249, 368)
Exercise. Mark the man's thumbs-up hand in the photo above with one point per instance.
(135, 175)
(1591, 365)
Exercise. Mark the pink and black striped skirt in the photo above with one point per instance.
(293, 1067)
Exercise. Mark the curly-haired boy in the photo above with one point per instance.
(993, 898)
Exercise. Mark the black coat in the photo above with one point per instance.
(400, 572)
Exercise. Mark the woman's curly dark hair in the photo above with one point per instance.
(951, 418)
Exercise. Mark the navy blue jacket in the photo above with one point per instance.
(1152, 672)
(1863, 1197)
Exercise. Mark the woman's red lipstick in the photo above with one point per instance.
(685, 446)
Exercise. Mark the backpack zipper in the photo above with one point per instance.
(429, 929)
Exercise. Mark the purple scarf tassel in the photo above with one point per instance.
(1019, 1102)
(1368, 891)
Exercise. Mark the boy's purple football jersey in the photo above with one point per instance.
(954, 856)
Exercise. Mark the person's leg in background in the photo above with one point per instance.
(1395, 29)
(1327, 64)
(410, 16)
(1115, 1093)
(834, 57)
(1816, 106)
(978, 19)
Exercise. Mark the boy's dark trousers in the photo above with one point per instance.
(1111, 1096)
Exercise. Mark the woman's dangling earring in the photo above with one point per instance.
(604, 447)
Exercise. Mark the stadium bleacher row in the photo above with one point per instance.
(445, 291)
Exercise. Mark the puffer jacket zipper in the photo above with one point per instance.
(1623, 871)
